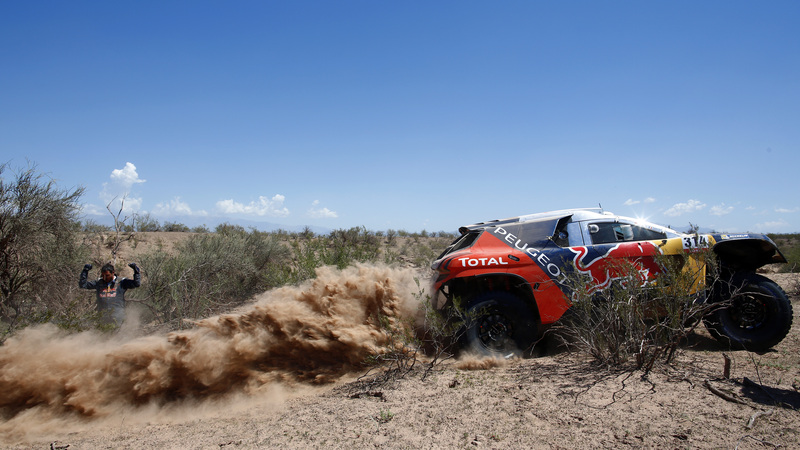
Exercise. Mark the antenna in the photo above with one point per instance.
(601, 207)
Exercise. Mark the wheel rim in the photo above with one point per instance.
(495, 331)
(749, 311)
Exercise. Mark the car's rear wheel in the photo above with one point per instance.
(499, 324)
(757, 316)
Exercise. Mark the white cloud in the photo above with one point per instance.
(263, 207)
(93, 210)
(176, 207)
(721, 210)
(787, 210)
(116, 194)
(132, 204)
(127, 176)
(631, 202)
(683, 208)
(772, 226)
(316, 212)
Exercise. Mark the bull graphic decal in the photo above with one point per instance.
(620, 261)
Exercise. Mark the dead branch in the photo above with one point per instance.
(118, 226)
(761, 441)
(756, 416)
(723, 395)
(688, 380)
(376, 394)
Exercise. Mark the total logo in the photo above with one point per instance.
(482, 262)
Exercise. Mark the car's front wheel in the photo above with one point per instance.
(756, 317)
(499, 324)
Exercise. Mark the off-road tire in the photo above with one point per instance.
(756, 317)
(499, 324)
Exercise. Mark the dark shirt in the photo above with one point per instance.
(111, 295)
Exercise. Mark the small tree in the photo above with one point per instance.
(119, 228)
(38, 245)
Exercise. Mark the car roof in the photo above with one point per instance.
(577, 215)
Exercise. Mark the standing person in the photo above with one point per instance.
(110, 291)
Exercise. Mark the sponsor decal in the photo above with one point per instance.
(606, 268)
(482, 262)
(108, 292)
(735, 236)
(540, 258)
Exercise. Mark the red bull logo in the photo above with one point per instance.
(619, 262)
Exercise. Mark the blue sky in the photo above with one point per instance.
(409, 115)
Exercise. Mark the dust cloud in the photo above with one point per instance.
(476, 362)
(287, 338)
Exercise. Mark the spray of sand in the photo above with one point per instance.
(294, 336)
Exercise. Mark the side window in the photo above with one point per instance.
(561, 238)
(644, 234)
(613, 232)
(568, 233)
(604, 233)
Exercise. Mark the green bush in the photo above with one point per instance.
(209, 273)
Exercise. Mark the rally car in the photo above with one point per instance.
(511, 276)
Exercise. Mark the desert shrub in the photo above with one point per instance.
(441, 330)
(420, 251)
(432, 333)
(144, 223)
(210, 272)
(399, 355)
(175, 227)
(39, 248)
(229, 228)
(306, 233)
(789, 244)
(636, 320)
(340, 248)
(90, 226)
(345, 247)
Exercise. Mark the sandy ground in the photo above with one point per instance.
(79, 395)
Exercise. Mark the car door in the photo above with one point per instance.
(615, 250)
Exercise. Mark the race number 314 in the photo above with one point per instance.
(696, 241)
